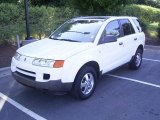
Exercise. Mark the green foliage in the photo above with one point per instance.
(159, 30)
(8, 1)
(10, 21)
(153, 3)
(145, 13)
(140, 1)
(42, 20)
(152, 30)
(45, 19)
(98, 7)
(57, 3)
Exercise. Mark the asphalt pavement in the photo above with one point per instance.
(122, 94)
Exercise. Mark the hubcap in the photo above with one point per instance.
(87, 83)
(138, 59)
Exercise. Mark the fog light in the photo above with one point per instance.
(46, 76)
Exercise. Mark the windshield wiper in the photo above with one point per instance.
(64, 39)
(80, 32)
(68, 40)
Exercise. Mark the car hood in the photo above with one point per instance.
(53, 49)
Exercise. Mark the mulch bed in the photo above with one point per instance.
(6, 54)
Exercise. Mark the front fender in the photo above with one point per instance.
(74, 64)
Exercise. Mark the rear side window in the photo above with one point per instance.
(137, 23)
(126, 27)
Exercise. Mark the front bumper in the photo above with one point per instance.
(54, 85)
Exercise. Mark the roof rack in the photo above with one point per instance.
(93, 17)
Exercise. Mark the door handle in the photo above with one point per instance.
(135, 38)
(121, 43)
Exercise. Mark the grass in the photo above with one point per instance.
(152, 29)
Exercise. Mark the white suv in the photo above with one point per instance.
(78, 52)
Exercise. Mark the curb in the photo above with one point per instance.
(4, 68)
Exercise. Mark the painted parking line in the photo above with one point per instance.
(21, 107)
(134, 80)
(153, 60)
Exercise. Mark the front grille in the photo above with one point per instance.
(25, 73)
(26, 70)
(26, 76)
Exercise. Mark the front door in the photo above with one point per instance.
(111, 52)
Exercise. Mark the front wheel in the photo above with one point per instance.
(85, 82)
(136, 61)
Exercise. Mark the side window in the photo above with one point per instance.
(110, 33)
(127, 27)
(113, 28)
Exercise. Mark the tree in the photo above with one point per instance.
(140, 1)
(153, 3)
(8, 1)
(56, 3)
(98, 7)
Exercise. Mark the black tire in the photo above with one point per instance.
(77, 90)
(136, 61)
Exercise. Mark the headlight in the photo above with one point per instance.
(17, 56)
(48, 63)
(43, 62)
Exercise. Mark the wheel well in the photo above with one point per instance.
(140, 47)
(93, 64)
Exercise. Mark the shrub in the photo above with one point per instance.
(159, 30)
(145, 13)
(10, 22)
(42, 20)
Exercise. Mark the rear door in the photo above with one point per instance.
(139, 33)
(128, 38)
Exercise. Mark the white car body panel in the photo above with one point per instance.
(52, 49)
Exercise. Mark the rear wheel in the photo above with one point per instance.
(85, 83)
(136, 61)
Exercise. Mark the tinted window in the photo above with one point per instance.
(78, 30)
(132, 29)
(136, 22)
(113, 28)
(127, 27)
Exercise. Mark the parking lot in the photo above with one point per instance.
(122, 94)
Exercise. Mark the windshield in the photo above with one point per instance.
(77, 31)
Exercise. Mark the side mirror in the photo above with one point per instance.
(108, 39)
